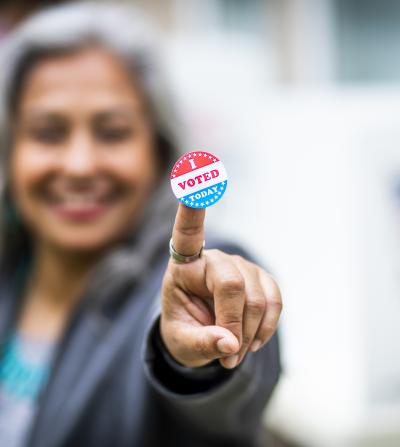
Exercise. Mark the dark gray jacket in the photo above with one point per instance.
(113, 384)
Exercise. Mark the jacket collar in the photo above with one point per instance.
(84, 357)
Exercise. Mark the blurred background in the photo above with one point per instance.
(301, 99)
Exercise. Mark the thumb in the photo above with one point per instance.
(195, 346)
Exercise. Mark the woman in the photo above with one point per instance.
(89, 357)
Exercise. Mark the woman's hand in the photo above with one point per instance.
(217, 307)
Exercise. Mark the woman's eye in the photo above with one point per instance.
(114, 134)
(48, 135)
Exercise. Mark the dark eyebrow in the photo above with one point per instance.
(40, 116)
(121, 112)
(36, 115)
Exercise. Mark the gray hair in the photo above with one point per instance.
(129, 35)
(125, 31)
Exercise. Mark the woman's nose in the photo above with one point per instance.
(80, 158)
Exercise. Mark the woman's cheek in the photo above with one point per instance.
(30, 164)
(138, 168)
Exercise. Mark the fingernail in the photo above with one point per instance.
(224, 346)
(255, 346)
(231, 361)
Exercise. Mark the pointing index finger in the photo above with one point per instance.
(188, 231)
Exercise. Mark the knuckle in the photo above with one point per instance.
(256, 306)
(246, 340)
(212, 255)
(214, 252)
(276, 303)
(232, 285)
(231, 320)
(238, 258)
(267, 330)
(191, 230)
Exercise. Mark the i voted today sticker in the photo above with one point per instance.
(198, 179)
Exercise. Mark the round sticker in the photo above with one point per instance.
(198, 179)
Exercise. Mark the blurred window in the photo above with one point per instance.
(368, 36)
(242, 15)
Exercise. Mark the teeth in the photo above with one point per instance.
(78, 199)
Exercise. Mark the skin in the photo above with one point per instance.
(220, 306)
(82, 130)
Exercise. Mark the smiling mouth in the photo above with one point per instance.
(81, 206)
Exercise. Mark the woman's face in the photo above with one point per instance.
(83, 161)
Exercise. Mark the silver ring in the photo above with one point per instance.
(182, 259)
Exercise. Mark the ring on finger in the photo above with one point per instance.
(183, 259)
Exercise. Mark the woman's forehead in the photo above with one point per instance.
(86, 78)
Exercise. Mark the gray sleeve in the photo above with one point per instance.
(227, 404)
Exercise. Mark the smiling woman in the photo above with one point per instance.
(104, 340)
(84, 161)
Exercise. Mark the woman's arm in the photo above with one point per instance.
(224, 404)
(212, 355)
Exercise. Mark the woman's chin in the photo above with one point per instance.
(81, 243)
(85, 232)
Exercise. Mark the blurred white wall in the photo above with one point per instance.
(331, 215)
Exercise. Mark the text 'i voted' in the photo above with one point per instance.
(198, 179)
